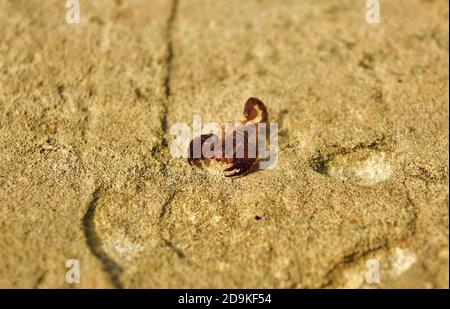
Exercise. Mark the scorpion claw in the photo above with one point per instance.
(238, 173)
(230, 168)
(241, 167)
(192, 161)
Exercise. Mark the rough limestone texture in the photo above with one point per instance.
(86, 171)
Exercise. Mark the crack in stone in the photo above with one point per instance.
(169, 61)
(164, 125)
(348, 259)
(410, 204)
(40, 280)
(320, 160)
(164, 211)
(94, 242)
(170, 23)
(166, 206)
(177, 250)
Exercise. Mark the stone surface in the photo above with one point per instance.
(86, 171)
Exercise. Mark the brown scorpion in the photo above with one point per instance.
(243, 154)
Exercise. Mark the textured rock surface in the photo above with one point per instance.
(86, 173)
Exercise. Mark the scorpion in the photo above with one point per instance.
(244, 154)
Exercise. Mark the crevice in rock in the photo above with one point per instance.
(156, 152)
(177, 250)
(40, 280)
(94, 242)
(165, 210)
(338, 267)
(320, 160)
(411, 207)
(169, 61)
(166, 207)
(349, 259)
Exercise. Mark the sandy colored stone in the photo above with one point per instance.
(86, 170)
